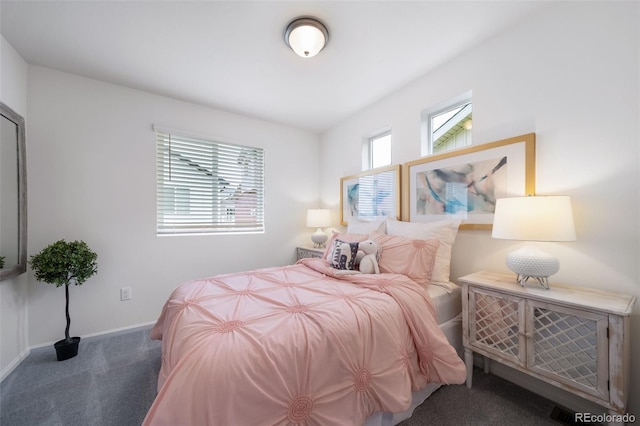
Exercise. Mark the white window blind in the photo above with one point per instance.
(205, 186)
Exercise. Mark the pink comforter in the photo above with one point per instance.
(296, 345)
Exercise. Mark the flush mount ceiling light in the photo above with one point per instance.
(306, 36)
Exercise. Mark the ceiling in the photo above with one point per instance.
(231, 55)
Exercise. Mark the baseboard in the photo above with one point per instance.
(13, 364)
(101, 333)
(553, 393)
(16, 362)
(120, 330)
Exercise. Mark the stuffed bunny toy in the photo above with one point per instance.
(368, 255)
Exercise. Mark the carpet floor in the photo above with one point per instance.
(113, 380)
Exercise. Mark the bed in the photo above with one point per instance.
(447, 300)
(309, 343)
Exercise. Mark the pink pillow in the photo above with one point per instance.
(444, 231)
(347, 238)
(406, 256)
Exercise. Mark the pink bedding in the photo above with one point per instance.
(296, 345)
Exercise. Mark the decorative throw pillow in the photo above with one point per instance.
(349, 238)
(444, 231)
(406, 256)
(343, 254)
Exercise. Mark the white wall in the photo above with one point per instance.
(13, 292)
(571, 75)
(91, 155)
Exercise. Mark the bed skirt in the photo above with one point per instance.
(453, 330)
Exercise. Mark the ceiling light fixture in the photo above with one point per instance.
(306, 36)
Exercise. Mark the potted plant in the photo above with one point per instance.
(63, 263)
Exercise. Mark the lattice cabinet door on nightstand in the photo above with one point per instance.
(573, 338)
(304, 252)
(570, 346)
(497, 324)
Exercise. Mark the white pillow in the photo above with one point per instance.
(357, 226)
(444, 231)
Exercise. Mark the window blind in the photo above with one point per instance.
(206, 186)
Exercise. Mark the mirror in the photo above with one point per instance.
(13, 195)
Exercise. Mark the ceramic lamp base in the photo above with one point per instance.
(319, 239)
(530, 262)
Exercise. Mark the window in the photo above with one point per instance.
(447, 127)
(377, 151)
(208, 187)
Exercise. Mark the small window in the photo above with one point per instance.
(447, 127)
(207, 187)
(378, 151)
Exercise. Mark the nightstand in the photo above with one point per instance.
(575, 338)
(304, 252)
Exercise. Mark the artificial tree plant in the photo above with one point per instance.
(64, 263)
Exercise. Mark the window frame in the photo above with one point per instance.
(426, 119)
(368, 149)
(207, 186)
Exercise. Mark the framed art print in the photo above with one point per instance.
(466, 183)
(370, 195)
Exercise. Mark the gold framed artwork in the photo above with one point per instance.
(373, 194)
(465, 183)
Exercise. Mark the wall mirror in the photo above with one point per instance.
(13, 194)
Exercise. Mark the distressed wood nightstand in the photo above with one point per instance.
(304, 252)
(575, 338)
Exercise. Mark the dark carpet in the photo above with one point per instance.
(491, 401)
(113, 379)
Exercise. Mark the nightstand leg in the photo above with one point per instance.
(468, 360)
(614, 414)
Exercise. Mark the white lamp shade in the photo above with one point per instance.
(306, 36)
(318, 218)
(540, 218)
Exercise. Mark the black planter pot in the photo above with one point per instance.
(67, 349)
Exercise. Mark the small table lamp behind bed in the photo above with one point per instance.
(318, 218)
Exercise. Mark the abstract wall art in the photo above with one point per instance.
(466, 183)
(370, 195)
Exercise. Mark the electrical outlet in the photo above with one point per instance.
(125, 293)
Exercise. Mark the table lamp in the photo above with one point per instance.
(539, 218)
(318, 218)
